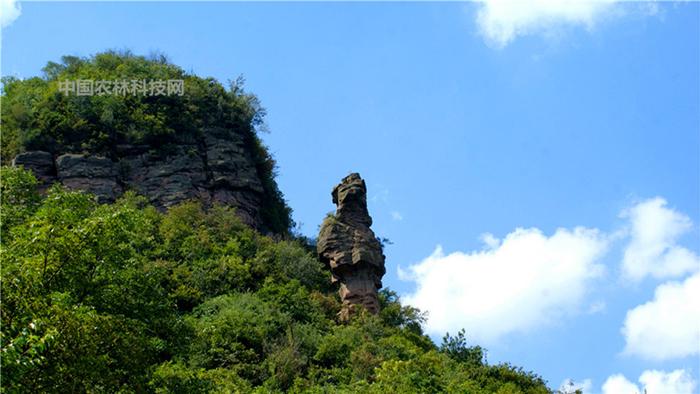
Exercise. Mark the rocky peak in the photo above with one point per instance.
(351, 198)
(348, 246)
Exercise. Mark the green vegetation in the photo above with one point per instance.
(123, 298)
(36, 115)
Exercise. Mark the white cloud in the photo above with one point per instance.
(669, 325)
(653, 382)
(396, 215)
(529, 279)
(501, 21)
(9, 11)
(618, 384)
(569, 386)
(523, 282)
(652, 250)
(678, 382)
(489, 240)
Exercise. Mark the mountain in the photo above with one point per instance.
(146, 248)
(196, 142)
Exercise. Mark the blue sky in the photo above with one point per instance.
(467, 119)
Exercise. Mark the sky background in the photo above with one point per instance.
(466, 119)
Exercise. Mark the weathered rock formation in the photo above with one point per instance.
(214, 168)
(348, 246)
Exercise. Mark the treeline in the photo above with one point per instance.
(123, 298)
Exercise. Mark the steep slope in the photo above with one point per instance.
(199, 142)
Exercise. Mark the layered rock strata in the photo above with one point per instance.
(348, 246)
(214, 168)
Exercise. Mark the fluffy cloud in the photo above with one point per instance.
(618, 384)
(669, 325)
(678, 381)
(9, 11)
(652, 249)
(529, 279)
(516, 284)
(501, 21)
(653, 382)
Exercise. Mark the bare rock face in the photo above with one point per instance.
(349, 247)
(166, 179)
(213, 168)
(40, 163)
(94, 174)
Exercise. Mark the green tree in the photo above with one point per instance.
(36, 115)
(18, 197)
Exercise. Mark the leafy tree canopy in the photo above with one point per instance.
(123, 298)
(37, 115)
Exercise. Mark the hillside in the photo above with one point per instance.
(130, 131)
(174, 289)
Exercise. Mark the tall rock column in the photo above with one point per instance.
(350, 249)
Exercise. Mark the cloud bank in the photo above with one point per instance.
(653, 249)
(9, 11)
(501, 21)
(522, 282)
(652, 382)
(668, 326)
(529, 279)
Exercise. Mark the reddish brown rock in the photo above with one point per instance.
(348, 246)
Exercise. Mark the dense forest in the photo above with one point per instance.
(124, 297)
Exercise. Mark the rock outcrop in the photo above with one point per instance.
(95, 174)
(348, 246)
(41, 164)
(214, 168)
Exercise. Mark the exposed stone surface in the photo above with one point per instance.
(349, 247)
(94, 174)
(167, 180)
(214, 168)
(41, 163)
(234, 180)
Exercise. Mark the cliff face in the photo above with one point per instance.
(350, 249)
(215, 167)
